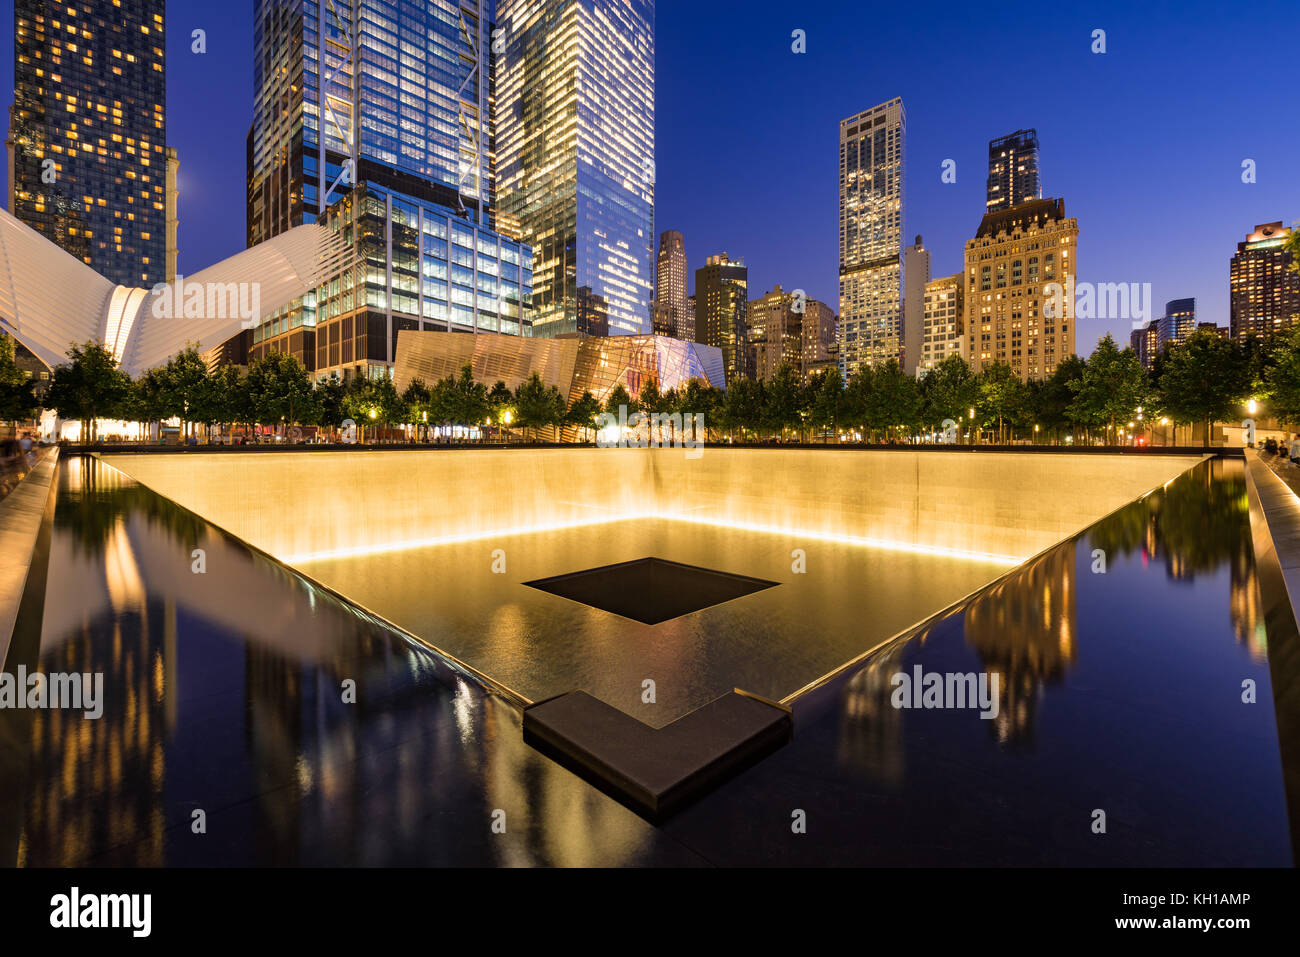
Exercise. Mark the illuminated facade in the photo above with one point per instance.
(721, 307)
(574, 364)
(1265, 290)
(88, 158)
(1145, 342)
(575, 153)
(677, 319)
(1178, 322)
(789, 329)
(1013, 170)
(1017, 260)
(943, 329)
(871, 236)
(404, 106)
(419, 267)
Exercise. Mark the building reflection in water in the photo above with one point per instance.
(1025, 627)
(1024, 630)
(223, 692)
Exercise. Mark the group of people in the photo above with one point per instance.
(16, 456)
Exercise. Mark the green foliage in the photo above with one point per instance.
(279, 390)
(89, 386)
(1283, 381)
(1204, 379)
(1111, 389)
(17, 390)
(539, 405)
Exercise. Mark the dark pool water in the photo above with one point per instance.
(224, 693)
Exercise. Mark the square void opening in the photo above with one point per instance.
(651, 590)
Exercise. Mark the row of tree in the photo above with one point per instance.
(1103, 398)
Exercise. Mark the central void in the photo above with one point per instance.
(513, 608)
(651, 590)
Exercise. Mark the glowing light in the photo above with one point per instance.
(1252, 406)
(857, 541)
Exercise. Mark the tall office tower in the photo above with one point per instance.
(787, 329)
(1145, 342)
(1265, 290)
(88, 159)
(575, 152)
(1013, 170)
(943, 325)
(688, 333)
(721, 305)
(1178, 322)
(670, 281)
(916, 273)
(1019, 298)
(871, 236)
(392, 94)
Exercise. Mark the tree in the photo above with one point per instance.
(1002, 395)
(894, 401)
(582, 413)
(618, 396)
(538, 405)
(742, 406)
(279, 390)
(1113, 386)
(1049, 399)
(784, 401)
(1283, 383)
(185, 379)
(1204, 379)
(950, 389)
(471, 398)
(650, 400)
(89, 387)
(827, 389)
(17, 388)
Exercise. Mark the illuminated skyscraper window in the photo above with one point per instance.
(89, 133)
(575, 153)
(871, 236)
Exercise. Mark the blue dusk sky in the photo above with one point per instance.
(1145, 142)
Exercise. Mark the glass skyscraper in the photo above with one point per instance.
(88, 134)
(575, 153)
(871, 236)
(399, 94)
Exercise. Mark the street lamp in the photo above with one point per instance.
(1252, 406)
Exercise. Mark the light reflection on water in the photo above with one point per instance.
(223, 694)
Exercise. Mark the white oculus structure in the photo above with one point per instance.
(50, 300)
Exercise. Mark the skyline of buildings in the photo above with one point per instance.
(421, 156)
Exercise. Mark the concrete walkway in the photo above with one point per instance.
(21, 512)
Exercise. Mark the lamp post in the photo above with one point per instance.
(970, 414)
